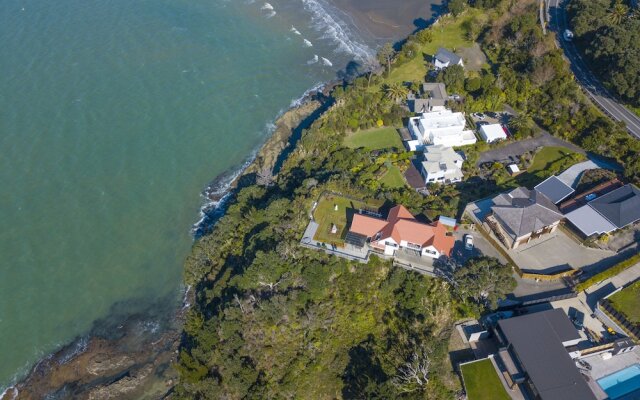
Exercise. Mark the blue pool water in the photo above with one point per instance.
(622, 382)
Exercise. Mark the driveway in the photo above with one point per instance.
(520, 147)
(480, 247)
(556, 252)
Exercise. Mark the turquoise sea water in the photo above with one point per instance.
(114, 115)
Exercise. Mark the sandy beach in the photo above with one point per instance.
(390, 20)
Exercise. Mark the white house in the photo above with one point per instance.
(441, 128)
(445, 58)
(441, 164)
(492, 133)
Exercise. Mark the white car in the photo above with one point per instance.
(468, 242)
(567, 35)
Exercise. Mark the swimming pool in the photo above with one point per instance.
(622, 382)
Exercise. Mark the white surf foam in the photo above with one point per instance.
(14, 393)
(267, 6)
(313, 60)
(337, 31)
(326, 62)
(307, 43)
(294, 30)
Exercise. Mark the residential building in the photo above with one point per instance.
(536, 346)
(434, 97)
(521, 215)
(554, 189)
(443, 127)
(492, 133)
(401, 232)
(445, 58)
(605, 214)
(442, 165)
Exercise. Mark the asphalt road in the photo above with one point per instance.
(591, 86)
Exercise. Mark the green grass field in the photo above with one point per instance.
(374, 139)
(481, 381)
(552, 160)
(447, 33)
(393, 178)
(627, 301)
(326, 216)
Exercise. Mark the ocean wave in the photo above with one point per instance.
(325, 61)
(294, 30)
(267, 6)
(337, 31)
(77, 347)
(307, 43)
(6, 391)
(313, 60)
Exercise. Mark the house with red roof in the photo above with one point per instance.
(401, 231)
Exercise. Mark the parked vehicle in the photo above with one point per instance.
(479, 116)
(492, 114)
(468, 242)
(567, 35)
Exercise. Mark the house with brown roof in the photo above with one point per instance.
(401, 231)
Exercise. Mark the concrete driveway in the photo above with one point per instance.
(480, 247)
(555, 252)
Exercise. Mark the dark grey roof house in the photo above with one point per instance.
(434, 97)
(614, 210)
(537, 342)
(554, 189)
(621, 207)
(521, 215)
(445, 58)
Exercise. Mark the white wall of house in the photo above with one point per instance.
(430, 251)
(441, 128)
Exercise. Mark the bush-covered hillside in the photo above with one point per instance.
(608, 32)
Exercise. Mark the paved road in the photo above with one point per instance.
(593, 88)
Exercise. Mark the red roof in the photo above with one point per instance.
(402, 225)
(365, 225)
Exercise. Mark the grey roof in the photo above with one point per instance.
(554, 189)
(424, 105)
(436, 91)
(523, 211)
(589, 221)
(537, 341)
(621, 206)
(445, 56)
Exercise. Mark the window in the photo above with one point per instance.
(390, 244)
(430, 252)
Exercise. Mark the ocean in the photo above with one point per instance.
(114, 117)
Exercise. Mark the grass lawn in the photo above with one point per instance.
(627, 301)
(449, 34)
(548, 161)
(393, 178)
(481, 381)
(374, 139)
(326, 216)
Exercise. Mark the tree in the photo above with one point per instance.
(396, 91)
(453, 77)
(414, 373)
(522, 125)
(456, 7)
(384, 56)
(483, 280)
(618, 13)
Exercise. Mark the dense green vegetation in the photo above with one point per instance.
(627, 301)
(482, 382)
(393, 178)
(608, 32)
